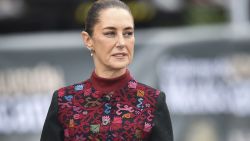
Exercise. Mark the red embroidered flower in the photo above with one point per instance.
(87, 85)
(132, 84)
(157, 93)
(77, 116)
(60, 93)
(147, 127)
(96, 94)
(87, 92)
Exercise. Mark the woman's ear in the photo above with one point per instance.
(87, 39)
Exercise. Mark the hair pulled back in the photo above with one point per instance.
(94, 12)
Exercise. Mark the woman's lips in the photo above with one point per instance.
(119, 55)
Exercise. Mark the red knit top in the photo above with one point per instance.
(105, 84)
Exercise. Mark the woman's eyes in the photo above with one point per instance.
(109, 34)
(113, 34)
(128, 34)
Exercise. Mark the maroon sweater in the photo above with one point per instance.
(99, 109)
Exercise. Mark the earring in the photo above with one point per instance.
(91, 51)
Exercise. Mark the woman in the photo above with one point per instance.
(110, 105)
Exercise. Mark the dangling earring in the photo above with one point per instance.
(91, 51)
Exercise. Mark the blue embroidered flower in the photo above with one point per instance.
(107, 108)
(79, 87)
(68, 97)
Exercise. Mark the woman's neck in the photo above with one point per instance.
(110, 73)
(108, 84)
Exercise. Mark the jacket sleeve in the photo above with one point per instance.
(162, 129)
(52, 129)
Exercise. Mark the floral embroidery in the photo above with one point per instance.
(77, 116)
(157, 93)
(95, 128)
(60, 93)
(79, 87)
(125, 114)
(123, 108)
(140, 93)
(85, 112)
(139, 105)
(147, 127)
(105, 120)
(68, 97)
(87, 92)
(116, 124)
(71, 123)
(132, 84)
(128, 115)
(107, 108)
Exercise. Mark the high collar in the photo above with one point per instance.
(107, 85)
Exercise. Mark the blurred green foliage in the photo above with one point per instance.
(205, 14)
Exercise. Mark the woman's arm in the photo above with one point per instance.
(162, 130)
(52, 130)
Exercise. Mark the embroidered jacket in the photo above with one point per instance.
(99, 109)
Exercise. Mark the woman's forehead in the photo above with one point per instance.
(115, 17)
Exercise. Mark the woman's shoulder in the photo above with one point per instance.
(139, 84)
(79, 86)
(148, 89)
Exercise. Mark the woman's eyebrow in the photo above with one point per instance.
(113, 28)
(110, 28)
(129, 28)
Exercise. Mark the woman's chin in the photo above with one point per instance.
(119, 65)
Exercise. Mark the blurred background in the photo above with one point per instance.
(196, 51)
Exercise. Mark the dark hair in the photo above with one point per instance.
(93, 13)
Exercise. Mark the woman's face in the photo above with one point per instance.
(113, 39)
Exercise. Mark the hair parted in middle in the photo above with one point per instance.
(94, 12)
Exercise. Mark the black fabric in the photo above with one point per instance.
(162, 131)
(52, 130)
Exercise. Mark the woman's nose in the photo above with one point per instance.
(120, 41)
